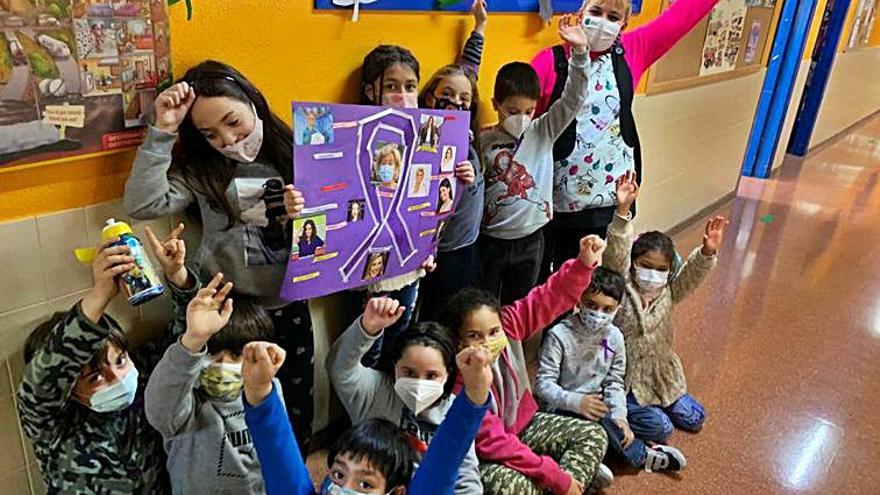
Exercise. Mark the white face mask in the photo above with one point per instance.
(594, 320)
(601, 33)
(246, 150)
(418, 394)
(651, 280)
(516, 125)
(401, 100)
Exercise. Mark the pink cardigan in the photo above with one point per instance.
(497, 441)
(643, 45)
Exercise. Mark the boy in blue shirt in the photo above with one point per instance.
(372, 457)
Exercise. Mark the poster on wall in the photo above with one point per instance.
(380, 188)
(723, 37)
(78, 76)
(752, 43)
(863, 24)
(559, 6)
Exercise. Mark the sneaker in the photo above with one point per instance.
(664, 458)
(602, 479)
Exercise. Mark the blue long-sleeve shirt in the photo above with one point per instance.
(285, 473)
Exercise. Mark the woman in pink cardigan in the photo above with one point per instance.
(523, 451)
(602, 143)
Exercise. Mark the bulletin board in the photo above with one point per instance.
(731, 42)
(78, 77)
(559, 6)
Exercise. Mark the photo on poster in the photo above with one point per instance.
(387, 164)
(752, 44)
(261, 202)
(448, 162)
(313, 125)
(375, 266)
(445, 195)
(161, 39)
(92, 8)
(131, 8)
(96, 38)
(309, 235)
(419, 181)
(356, 210)
(142, 67)
(100, 77)
(134, 35)
(429, 132)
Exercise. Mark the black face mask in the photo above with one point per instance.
(447, 104)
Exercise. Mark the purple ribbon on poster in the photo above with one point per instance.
(388, 219)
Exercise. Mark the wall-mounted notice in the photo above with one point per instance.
(78, 76)
(723, 37)
(379, 186)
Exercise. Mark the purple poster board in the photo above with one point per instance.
(379, 187)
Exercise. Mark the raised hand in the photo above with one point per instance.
(593, 407)
(260, 362)
(627, 192)
(380, 313)
(572, 32)
(714, 235)
(473, 363)
(481, 16)
(592, 247)
(294, 201)
(172, 105)
(207, 314)
(171, 255)
(464, 172)
(110, 262)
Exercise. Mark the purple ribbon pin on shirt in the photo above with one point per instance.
(607, 348)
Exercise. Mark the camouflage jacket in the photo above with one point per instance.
(81, 451)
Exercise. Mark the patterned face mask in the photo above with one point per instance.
(222, 380)
(331, 488)
(594, 320)
(496, 346)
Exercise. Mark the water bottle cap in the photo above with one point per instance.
(114, 229)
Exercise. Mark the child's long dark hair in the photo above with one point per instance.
(206, 170)
(377, 62)
(456, 70)
(434, 336)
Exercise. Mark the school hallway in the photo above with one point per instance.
(782, 343)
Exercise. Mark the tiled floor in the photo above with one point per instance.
(782, 344)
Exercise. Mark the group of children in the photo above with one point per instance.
(223, 402)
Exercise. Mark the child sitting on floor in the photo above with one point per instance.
(372, 457)
(521, 450)
(658, 397)
(581, 372)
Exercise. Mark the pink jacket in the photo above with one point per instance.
(643, 45)
(497, 439)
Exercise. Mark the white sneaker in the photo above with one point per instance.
(603, 478)
(664, 458)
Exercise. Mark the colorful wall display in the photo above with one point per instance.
(78, 76)
(380, 188)
(559, 6)
(723, 37)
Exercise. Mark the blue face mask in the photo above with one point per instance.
(330, 488)
(118, 396)
(386, 173)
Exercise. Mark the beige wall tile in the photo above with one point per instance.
(852, 93)
(60, 233)
(22, 265)
(97, 215)
(15, 326)
(16, 483)
(37, 485)
(6, 387)
(155, 316)
(12, 454)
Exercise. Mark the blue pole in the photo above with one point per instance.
(770, 87)
(817, 81)
(788, 74)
